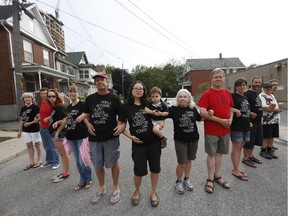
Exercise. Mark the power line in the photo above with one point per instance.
(160, 24)
(165, 36)
(110, 31)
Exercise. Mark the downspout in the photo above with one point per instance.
(12, 59)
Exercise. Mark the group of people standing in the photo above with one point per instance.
(102, 118)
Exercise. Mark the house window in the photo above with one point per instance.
(28, 51)
(84, 74)
(30, 83)
(46, 58)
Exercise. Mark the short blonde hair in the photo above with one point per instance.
(27, 94)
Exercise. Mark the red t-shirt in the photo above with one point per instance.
(45, 111)
(219, 101)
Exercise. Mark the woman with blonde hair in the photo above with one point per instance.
(29, 129)
(184, 115)
(75, 135)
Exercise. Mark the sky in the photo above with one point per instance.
(126, 33)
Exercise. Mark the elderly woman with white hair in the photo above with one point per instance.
(29, 129)
(184, 115)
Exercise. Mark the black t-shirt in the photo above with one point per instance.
(103, 111)
(184, 121)
(28, 114)
(75, 131)
(255, 105)
(58, 113)
(241, 123)
(160, 107)
(140, 124)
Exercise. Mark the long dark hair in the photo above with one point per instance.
(130, 99)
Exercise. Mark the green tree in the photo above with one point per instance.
(204, 86)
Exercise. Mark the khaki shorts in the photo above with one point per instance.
(185, 151)
(217, 144)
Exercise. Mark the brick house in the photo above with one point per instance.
(197, 71)
(38, 52)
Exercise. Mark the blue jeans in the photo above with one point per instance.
(84, 171)
(52, 155)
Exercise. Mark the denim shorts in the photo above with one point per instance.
(105, 153)
(60, 137)
(240, 136)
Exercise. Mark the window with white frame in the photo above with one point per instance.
(28, 51)
(30, 83)
(46, 58)
(84, 74)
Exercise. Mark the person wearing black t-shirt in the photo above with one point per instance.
(75, 134)
(29, 129)
(184, 115)
(100, 116)
(56, 118)
(240, 127)
(145, 144)
(256, 131)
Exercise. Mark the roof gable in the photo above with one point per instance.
(77, 58)
(212, 63)
(34, 29)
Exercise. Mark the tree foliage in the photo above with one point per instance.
(165, 77)
(117, 76)
(204, 86)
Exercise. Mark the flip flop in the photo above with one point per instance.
(241, 177)
(37, 164)
(29, 166)
(115, 197)
(97, 197)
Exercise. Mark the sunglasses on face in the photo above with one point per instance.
(51, 96)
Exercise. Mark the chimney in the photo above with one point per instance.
(220, 55)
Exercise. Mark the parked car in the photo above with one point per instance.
(169, 101)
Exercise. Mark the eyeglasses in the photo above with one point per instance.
(138, 89)
(51, 96)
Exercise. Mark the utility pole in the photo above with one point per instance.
(17, 57)
(122, 73)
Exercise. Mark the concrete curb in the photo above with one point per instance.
(13, 156)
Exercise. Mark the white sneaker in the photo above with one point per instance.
(179, 187)
(55, 166)
(188, 185)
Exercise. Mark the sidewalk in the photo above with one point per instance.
(15, 147)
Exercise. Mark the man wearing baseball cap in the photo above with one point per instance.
(102, 108)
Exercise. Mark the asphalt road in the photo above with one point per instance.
(32, 192)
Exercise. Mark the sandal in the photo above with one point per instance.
(241, 177)
(209, 188)
(37, 164)
(79, 187)
(115, 197)
(255, 160)
(29, 166)
(97, 197)
(249, 162)
(222, 183)
(88, 185)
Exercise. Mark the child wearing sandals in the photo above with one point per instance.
(29, 129)
(158, 112)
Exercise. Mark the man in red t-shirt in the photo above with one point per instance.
(52, 155)
(218, 101)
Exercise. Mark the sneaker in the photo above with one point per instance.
(179, 187)
(188, 185)
(163, 142)
(56, 176)
(60, 178)
(265, 155)
(272, 154)
(45, 165)
(55, 166)
(274, 148)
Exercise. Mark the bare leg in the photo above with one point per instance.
(65, 159)
(188, 168)
(137, 183)
(210, 166)
(179, 171)
(154, 182)
(30, 152)
(115, 170)
(235, 156)
(38, 151)
(218, 163)
(100, 174)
